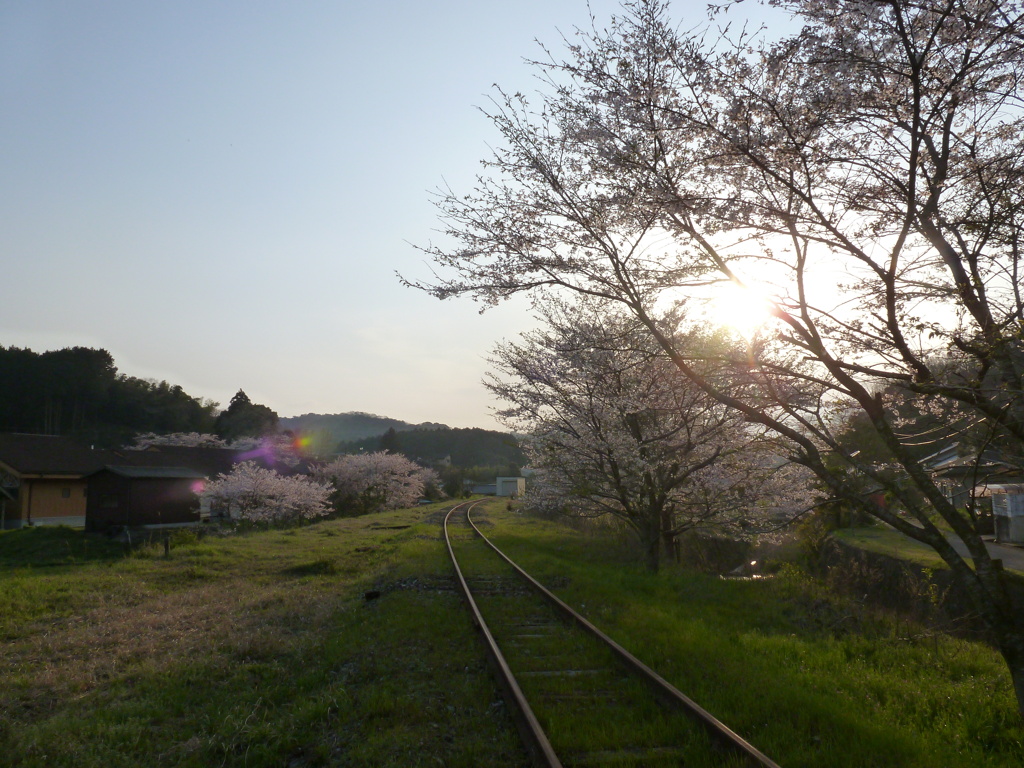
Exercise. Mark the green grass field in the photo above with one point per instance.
(810, 679)
(248, 650)
(259, 649)
(886, 541)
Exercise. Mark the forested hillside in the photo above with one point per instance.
(465, 447)
(78, 391)
(347, 427)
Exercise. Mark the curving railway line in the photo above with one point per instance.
(579, 698)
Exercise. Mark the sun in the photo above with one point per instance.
(743, 309)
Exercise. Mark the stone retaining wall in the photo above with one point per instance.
(926, 594)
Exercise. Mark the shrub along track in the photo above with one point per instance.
(593, 703)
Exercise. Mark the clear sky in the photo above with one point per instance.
(220, 192)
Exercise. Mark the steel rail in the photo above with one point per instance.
(664, 689)
(529, 727)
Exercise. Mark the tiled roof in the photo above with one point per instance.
(63, 456)
(49, 455)
(209, 462)
(156, 472)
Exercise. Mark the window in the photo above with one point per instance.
(65, 493)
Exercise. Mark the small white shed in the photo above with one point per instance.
(1008, 512)
(511, 486)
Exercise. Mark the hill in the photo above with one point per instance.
(78, 391)
(333, 428)
(470, 447)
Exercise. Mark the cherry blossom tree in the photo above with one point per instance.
(273, 449)
(373, 482)
(612, 431)
(186, 439)
(250, 492)
(284, 449)
(866, 173)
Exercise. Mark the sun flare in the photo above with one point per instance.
(744, 310)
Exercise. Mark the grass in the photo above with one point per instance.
(261, 650)
(887, 541)
(248, 650)
(810, 679)
(586, 703)
(47, 546)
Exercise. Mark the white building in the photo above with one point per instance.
(1008, 512)
(510, 486)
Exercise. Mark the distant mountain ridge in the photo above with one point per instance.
(347, 427)
(427, 443)
(472, 447)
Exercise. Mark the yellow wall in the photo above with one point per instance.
(47, 498)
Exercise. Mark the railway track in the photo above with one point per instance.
(579, 698)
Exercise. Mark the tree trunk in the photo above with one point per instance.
(668, 536)
(1015, 661)
(1008, 631)
(650, 539)
(670, 546)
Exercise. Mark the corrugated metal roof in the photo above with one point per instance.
(1015, 488)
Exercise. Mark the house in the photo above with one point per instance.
(157, 487)
(962, 472)
(967, 476)
(51, 480)
(146, 496)
(503, 486)
(43, 479)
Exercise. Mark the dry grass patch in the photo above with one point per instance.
(73, 656)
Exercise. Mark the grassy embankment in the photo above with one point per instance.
(254, 650)
(259, 649)
(810, 679)
(887, 541)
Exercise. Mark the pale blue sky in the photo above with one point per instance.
(220, 193)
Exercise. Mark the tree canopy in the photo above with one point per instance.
(259, 495)
(244, 418)
(78, 391)
(374, 482)
(612, 431)
(863, 174)
(463, 447)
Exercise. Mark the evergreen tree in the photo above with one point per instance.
(389, 442)
(244, 418)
